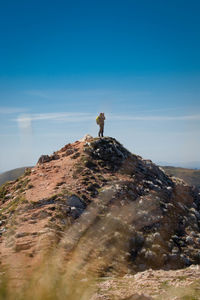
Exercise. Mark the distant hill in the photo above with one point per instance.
(11, 175)
(190, 176)
(185, 165)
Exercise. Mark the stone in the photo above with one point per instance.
(75, 213)
(46, 158)
(22, 246)
(185, 260)
(43, 159)
(54, 157)
(173, 257)
(197, 214)
(149, 240)
(137, 241)
(175, 239)
(68, 152)
(164, 257)
(175, 250)
(193, 233)
(150, 255)
(21, 234)
(197, 255)
(86, 138)
(189, 240)
(157, 237)
(75, 206)
(75, 201)
(192, 218)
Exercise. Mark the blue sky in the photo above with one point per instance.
(62, 62)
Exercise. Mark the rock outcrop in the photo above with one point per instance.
(128, 203)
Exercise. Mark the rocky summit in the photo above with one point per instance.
(117, 206)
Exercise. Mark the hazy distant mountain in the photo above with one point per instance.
(191, 165)
(11, 175)
(187, 165)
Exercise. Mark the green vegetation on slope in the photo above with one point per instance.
(190, 176)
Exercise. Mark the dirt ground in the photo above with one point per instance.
(150, 284)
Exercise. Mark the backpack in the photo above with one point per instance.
(97, 120)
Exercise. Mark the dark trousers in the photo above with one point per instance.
(101, 129)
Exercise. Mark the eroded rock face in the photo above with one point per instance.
(46, 158)
(164, 211)
(43, 159)
(108, 151)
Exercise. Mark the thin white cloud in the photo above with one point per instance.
(155, 118)
(63, 93)
(64, 117)
(37, 93)
(24, 120)
(11, 110)
(85, 93)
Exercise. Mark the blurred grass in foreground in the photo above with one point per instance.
(95, 245)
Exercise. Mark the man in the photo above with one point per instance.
(100, 121)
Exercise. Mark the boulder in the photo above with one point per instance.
(75, 206)
(43, 159)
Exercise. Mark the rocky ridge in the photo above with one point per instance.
(152, 218)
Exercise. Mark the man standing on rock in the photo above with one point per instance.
(100, 121)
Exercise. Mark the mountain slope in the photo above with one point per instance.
(104, 209)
